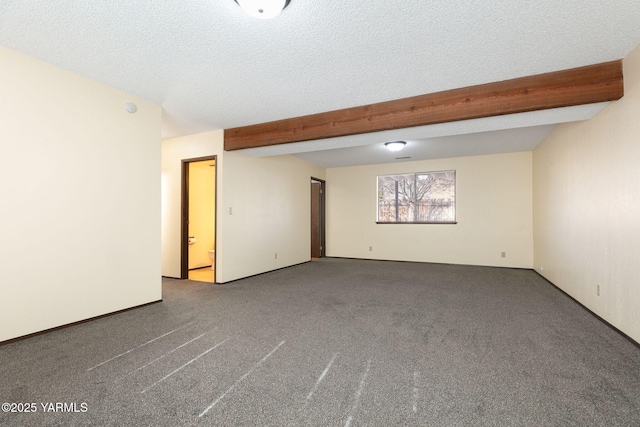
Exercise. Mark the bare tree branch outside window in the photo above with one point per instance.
(424, 197)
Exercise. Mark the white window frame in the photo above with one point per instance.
(412, 206)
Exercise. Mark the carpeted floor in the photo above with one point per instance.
(334, 342)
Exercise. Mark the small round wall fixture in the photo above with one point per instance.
(395, 145)
(263, 9)
(130, 107)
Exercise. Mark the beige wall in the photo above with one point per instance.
(269, 201)
(587, 207)
(494, 214)
(80, 198)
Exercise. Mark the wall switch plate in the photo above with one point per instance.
(503, 254)
(370, 248)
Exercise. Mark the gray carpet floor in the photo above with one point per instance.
(334, 342)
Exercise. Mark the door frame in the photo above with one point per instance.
(323, 192)
(184, 216)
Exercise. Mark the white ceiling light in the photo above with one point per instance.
(263, 9)
(395, 145)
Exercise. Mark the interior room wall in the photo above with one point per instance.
(587, 209)
(174, 150)
(494, 214)
(201, 213)
(266, 211)
(263, 207)
(79, 217)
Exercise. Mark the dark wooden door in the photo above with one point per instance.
(316, 228)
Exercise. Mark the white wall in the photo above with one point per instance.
(494, 214)
(79, 216)
(269, 199)
(587, 207)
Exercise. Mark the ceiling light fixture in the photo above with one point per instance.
(263, 9)
(395, 145)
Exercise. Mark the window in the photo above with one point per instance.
(423, 197)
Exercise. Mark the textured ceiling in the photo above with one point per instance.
(211, 66)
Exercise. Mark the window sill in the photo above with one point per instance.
(418, 222)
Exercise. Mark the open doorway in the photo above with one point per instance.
(198, 235)
(317, 218)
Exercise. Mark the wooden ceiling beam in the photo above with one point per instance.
(585, 85)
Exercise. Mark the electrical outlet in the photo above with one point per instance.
(541, 268)
(276, 255)
(503, 254)
(370, 248)
(598, 289)
(230, 211)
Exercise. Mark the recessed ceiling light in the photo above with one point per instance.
(395, 145)
(263, 9)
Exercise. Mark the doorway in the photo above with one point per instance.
(317, 218)
(198, 233)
